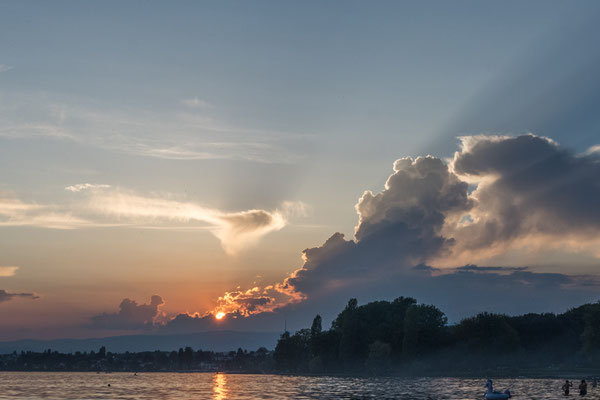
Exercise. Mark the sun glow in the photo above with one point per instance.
(220, 315)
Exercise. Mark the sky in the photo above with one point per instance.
(164, 162)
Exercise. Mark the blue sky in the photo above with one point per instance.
(346, 85)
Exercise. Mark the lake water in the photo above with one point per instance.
(18, 385)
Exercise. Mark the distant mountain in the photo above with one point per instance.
(214, 340)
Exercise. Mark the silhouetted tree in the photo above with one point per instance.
(424, 329)
(316, 327)
(487, 333)
(590, 337)
(292, 352)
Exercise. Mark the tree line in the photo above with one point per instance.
(186, 359)
(405, 337)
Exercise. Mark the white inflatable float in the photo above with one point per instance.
(491, 394)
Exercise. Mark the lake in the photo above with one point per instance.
(72, 385)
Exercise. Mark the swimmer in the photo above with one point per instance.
(566, 387)
(582, 388)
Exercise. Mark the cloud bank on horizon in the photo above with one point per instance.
(6, 296)
(131, 315)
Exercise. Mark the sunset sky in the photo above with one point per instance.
(161, 162)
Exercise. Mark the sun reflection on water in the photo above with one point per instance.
(219, 386)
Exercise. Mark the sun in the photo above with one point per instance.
(220, 315)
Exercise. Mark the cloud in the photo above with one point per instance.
(528, 189)
(196, 102)
(6, 271)
(592, 150)
(193, 323)
(431, 214)
(6, 296)
(168, 135)
(4, 67)
(235, 230)
(515, 290)
(14, 212)
(85, 186)
(251, 301)
(397, 228)
(131, 315)
(100, 205)
(475, 268)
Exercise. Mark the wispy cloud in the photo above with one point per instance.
(235, 230)
(168, 135)
(7, 271)
(14, 212)
(592, 150)
(85, 186)
(194, 150)
(197, 103)
(4, 67)
(101, 205)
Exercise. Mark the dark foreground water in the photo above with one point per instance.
(18, 385)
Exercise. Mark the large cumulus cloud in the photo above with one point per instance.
(398, 227)
(496, 193)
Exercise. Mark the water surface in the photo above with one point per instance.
(82, 386)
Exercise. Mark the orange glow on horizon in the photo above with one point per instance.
(220, 315)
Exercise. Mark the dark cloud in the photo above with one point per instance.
(529, 185)
(131, 315)
(475, 268)
(459, 292)
(464, 292)
(7, 296)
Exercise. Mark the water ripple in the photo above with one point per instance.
(84, 386)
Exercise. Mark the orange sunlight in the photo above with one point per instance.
(219, 387)
(220, 315)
